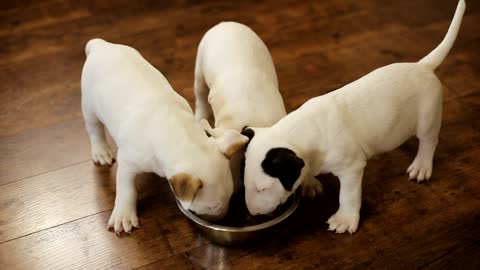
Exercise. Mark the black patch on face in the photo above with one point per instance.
(283, 164)
(208, 134)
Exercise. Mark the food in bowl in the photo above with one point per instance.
(238, 215)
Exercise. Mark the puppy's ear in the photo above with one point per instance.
(249, 133)
(283, 164)
(228, 141)
(185, 186)
(231, 142)
(246, 131)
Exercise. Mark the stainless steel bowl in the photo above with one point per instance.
(227, 235)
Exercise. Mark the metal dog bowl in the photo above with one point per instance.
(228, 235)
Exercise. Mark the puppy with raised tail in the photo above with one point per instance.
(236, 84)
(155, 131)
(339, 131)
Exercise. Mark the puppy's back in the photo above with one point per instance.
(234, 45)
(118, 82)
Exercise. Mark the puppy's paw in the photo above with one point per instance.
(102, 154)
(123, 219)
(420, 169)
(311, 187)
(343, 221)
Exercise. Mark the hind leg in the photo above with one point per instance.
(422, 166)
(428, 128)
(101, 152)
(203, 110)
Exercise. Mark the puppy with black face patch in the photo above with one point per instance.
(155, 131)
(339, 131)
(236, 86)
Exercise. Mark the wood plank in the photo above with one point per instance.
(47, 200)
(45, 97)
(42, 150)
(173, 262)
(209, 256)
(458, 258)
(58, 197)
(23, 16)
(86, 244)
(73, 212)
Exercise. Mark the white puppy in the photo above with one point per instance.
(339, 131)
(234, 72)
(236, 84)
(155, 131)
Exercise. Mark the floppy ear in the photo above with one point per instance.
(228, 141)
(231, 142)
(185, 186)
(283, 164)
(246, 131)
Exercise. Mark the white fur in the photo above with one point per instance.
(153, 127)
(235, 83)
(339, 131)
(235, 76)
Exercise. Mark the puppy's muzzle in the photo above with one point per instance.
(215, 212)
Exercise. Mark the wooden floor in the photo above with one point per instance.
(54, 203)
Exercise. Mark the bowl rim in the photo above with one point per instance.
(232, 229)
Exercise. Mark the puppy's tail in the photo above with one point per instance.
(91, 43)
(435, 57)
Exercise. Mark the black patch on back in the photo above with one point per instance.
(283, 164)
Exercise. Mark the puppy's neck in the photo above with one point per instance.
(227, 120)
(302, 132)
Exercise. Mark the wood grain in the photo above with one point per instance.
(54, 203)
(31, 153)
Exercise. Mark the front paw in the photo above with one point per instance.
(123, 219)
(311, 188)
(420, 169)
(102, 154)
(343, 221)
